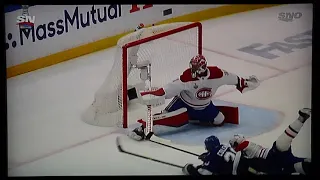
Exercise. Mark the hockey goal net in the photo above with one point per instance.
(168, 48)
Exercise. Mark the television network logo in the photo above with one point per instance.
(25, 21)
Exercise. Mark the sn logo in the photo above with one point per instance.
(26, 21)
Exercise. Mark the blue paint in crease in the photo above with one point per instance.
(253, 121)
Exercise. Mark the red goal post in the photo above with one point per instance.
(144, 40)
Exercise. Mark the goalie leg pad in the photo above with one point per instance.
(225, 114)
(208, 115)
(176, 118)
(219, 119)
(231, 114)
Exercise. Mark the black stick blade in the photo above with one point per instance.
(149, 135)
(118, 144)
(141, 156)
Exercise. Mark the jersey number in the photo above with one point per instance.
(229, 155)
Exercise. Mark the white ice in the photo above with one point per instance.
(46, 136)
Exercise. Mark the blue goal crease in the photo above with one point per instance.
(253, 121)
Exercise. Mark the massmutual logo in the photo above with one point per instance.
(289, 16)
(72, 19)
(25, 21)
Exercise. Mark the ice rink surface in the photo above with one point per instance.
(46, 136)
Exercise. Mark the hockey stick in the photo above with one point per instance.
(148, 137)
(144, 157)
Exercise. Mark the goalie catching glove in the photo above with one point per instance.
(245, 85)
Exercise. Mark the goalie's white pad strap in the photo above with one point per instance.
(170, 115)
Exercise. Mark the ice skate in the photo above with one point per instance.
(137, 134)
(304, 114)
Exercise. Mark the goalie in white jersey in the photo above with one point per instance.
(192, 93)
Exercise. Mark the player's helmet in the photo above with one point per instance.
(198, 65)
(236, 140)
(211, 143)
(141, 25)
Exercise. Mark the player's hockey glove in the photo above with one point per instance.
(245, 85)
(140, 26)
(189, 169)
(137, 134)
(203, 156)
(236, 140)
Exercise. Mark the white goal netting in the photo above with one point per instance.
(168, 47)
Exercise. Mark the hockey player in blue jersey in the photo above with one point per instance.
(253, 159)
(218, 159)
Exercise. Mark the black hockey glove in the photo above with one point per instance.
(203, 156)
(189, 169)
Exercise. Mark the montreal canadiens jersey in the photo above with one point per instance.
(252, 150)
(197, 92)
